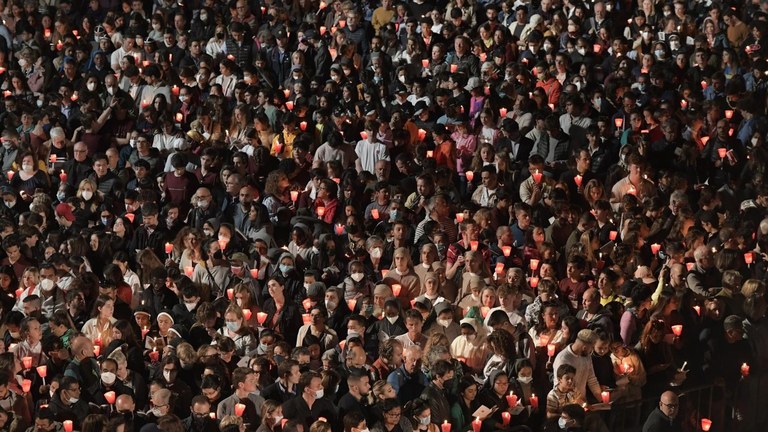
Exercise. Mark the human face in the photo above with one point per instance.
(669, 405)
(501, 384)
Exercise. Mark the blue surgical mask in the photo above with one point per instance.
(61, 196)
(393, 215)
(105, 221)
(284, 268)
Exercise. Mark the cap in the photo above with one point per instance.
(587, 336)
(280, 33)
(473, 83)
(420, 107)
(65, 211)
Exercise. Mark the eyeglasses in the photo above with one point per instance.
(671, 406)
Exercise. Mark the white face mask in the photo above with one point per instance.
(562, 423)
(425, 420)
(111, 90)
(357, 277)
(87, 195)
(754, 141)
(445, 322)
(108, 378)
(167, 375)
(330, 305)
(46, 284)
(659, 54)
(73, 400)
(392, 320)
(547, 47)
(190, 306)
(10, 204)
(278, 419)
(319, 394)
(91, 86)
(376, 253)
(525, 380)
(27, 167)
(156, 412)
(581, 51)
(674, 46)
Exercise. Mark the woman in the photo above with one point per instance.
(124, 340)
(502, 345)
(392, 418)
(277, 194)
(122, 233)
(235, 329)
(419, 414)
(402, 273)
(186, 249)
(158, 339)
(465, 406)
(271, 416)
(634, 318)
(227, 80)
(99, 328)
(283, 316)
(30, 345)
(91, 199)
(327, 203)
(328, 258)
(656, 355)
(494, 394)
(30, 178)
(240, 126)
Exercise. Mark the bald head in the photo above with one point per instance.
(125, 403)
(591, 300)
(669, 404)
(82, 348)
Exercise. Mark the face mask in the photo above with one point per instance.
(23, 63)
(183, 98)
(87, 195)
(645, 35)
(91, 86)
(659, 54)
(111, 91)
(39, 103)
(674, 46)
(219, 35)
(284, 268)
(667, 13)
(278, 419)
(392, 320)
(393, 215)
(425, 420)
(156, 412)
(233, 326)
(105, 221)
(203, 204)
(203, 17)
(319, 394)
(547, 46)
(561, 423)
(471, 337)
(357, 277)
(578, 85)
(108, 378)
(444, 322)
(73, 400)
(167, 375)
(8, 145)
(190, 306)
(156, 27)
(10, 204)
(46, 284)
(598, 101)
(330, 305)
(525, 380)
(376, 253)
(61, 196)
(15, 335)
(208, 233)
(581, 51)
(754, 141)
(26, 167)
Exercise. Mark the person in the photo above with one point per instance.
(665, 416)
(578, 355)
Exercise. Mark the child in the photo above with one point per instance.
(564, 392)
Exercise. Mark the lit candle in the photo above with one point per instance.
(26, 385)
(307, 303)
(261, 317)
(129, 216)
(339, 229)
(536, 176)
(306, 318)
(683, 104)
(606, 396)
(67, 425)
(705, 422)
(470, 175)
(460, 217)
(396, 288)
(551, 350)
(175, 90)
(618, 122)
(689, 266)
(748, 258)
(154, 356)
(230, 293)
(534, 281)
(744, 370)
(110, 397)
(484, 311)
(454, 68)
(502, 112)
(10, 175)
(247, 314)
(239, 409)
(578, 179)
(294, 195)
(168, 248)
(425, 63)
(144, 332)
(43, 370)
(320, 211)
(303, 126)
(506, 250)
(473, 245)
(445, 427)
(505, 418)
(677, 330)
(254, 273)
(704, 84)
(27, 362)
(364, 135)
(430, 154)
(289, 105)
(375, 214)
(476, 424)
(728, 114)
(655, 248)
(188, 271)
(511, 399)
(534, 400)
(500, 267)
(722, 152)
(612, 235)
(534, 264)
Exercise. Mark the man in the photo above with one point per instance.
(67, 402)
(84, 369)
(704, 275)
(284, 388)
(408, 380)
(311, 404)
(161, 406)
(200, 420)
(244, 382)
(78, 168)
(438, 209)
(435, 393)
(510, 298)
(578, 354)
(358, 399)
(414, 322)
(592, 313)
(355, 422)
(150, 235)
(664, 418)
(485, 194)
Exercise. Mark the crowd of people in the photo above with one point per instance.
(394, 216)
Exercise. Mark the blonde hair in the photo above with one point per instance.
(231, 420)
